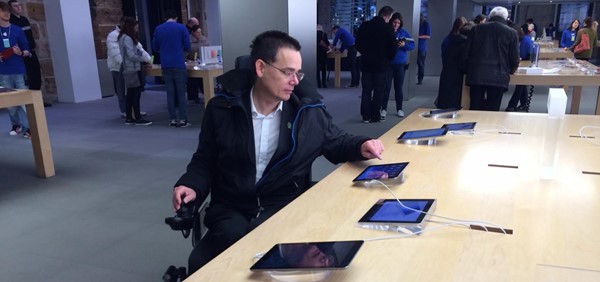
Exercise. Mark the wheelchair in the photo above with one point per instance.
(190, 221)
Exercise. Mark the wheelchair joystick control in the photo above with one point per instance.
(183, 220)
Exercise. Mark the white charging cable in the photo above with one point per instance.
(452, 221)
(589, 138)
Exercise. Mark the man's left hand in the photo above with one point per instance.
(372, 149)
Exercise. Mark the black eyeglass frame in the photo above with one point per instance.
(288, 73)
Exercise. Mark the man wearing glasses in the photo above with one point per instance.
(258, 140)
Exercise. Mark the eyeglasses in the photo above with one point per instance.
(288, 73)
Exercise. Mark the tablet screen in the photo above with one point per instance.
(391, 211)
(441, 111)
(460, 126)
(416, 134)
(315, 255)
(383, 171)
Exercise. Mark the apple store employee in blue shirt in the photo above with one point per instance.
(347, 44)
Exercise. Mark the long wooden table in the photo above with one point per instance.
(337, 66)
(555, 221)
(567, 76)
(40, 140)
(547, 53)
(208, 74)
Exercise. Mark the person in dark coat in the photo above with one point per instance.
(377, 44)
(491, 55)
(451, 78)
(258, 140)
(323, 47)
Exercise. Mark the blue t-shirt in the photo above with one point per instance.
(525, 47)
(15, 36)
(401, 55)
(424, 29)
(346, 38)
(171, 39)
(568, 38)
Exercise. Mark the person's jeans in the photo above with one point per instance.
(354, 71)
(132, 103)
(395, 72)
(17, 114)
(175, 82)
(119, 87)
(373, 86)
(421, 65)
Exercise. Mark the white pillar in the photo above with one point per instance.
(296, 17)
(71, 40)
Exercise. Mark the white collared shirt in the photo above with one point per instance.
(266, 135)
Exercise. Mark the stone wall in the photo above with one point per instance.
(105, 16)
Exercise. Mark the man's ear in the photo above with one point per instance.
(259, 65)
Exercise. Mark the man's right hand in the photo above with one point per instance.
(182, 192)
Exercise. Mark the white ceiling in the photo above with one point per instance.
(488, 2)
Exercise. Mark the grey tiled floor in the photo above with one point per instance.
(101, 217)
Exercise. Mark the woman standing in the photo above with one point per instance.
(323, 47)
(591, 38)
(195, 84)
(131, 67)
(451, 78)
(397, 66)
(568, 35)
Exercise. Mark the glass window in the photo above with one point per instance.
(349, 14)
(570, 12)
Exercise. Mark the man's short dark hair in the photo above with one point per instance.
(12, 1)
(171, 14)
(479, 18)
(266, 45)
(4, 6)
(385, 11)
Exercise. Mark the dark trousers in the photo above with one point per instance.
(479, 101)
(194, 87)
(34, 75)
(518, 96)
(322, 71)
(225, 227)
(354, 71)
(132, 103)
(396, 73)
(421, 65)
(119, 87)
(373, 86)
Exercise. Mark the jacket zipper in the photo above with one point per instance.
(260, 207)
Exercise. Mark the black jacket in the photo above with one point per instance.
(376, 42)
(224, 164)
(491, 54)
(451, 78)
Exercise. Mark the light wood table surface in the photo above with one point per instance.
(546, 43)
(337, 65)
(207, 73)
(40, 140)
(547, 53)
(555, 221)
(567, 76)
